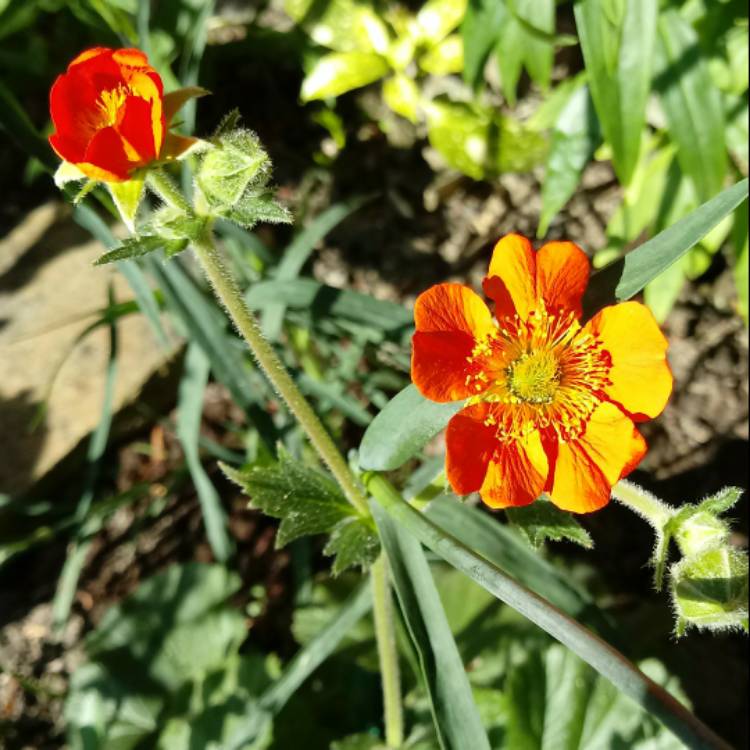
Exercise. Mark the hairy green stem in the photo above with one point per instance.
(163, 185)
(387, 654)
(643, 503)
(231, 297)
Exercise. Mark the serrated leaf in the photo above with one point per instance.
(542, 521)
(710, 590)
(127, 197)
(258, 207)
(722, 501)
(339, 72)
(135, 247)
(307, 501)
(173, 224)
(354, 543)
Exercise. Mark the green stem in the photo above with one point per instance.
(643, 503)
(162, 184)
(231, 297)
(387, 654)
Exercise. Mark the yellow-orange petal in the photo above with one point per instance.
(640, 375)
(469, 444)
(586, 468)
(516, 474)
(131, 57)
(511, 279)
(450, 320)
(562, 273)
(87, 54)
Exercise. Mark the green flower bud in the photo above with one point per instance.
(710, 590)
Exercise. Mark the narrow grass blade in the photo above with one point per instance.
(454, 712)
(626, 277)
(618, 42)
(299, 251)
(189, 410)
(606, 660)
(508, 551)
(692, 103)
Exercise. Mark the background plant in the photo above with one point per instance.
(349, 354)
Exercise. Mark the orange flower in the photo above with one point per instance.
(110, 114)
(550, 404)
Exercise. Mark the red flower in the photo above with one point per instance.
(550, 404)
(110, 114)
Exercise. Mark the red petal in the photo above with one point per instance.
(469, 448)
(511, 279)
(107, 152)
(451, 320)
(137, 129)
(517, 473)
(562, 273)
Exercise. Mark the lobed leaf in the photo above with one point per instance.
(542, 520)
(308, 502)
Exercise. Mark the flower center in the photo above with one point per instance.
(534, 377)
(110, 104)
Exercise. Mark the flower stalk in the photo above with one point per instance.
(387, 653)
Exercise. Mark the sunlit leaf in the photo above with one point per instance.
(339, 72)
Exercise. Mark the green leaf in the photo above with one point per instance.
(339, 72)
(454, 713)
(329, 302)
(135, 247)
(574, 139)
(66, 173)
(127, 197)
(604, 658)
(557, 701)
(506, 549)
(437, 18)
(479, 142)
(692, 104)
(618, 40)
(401, 94)
(341, 25)
(722, 501)
(308, 502)
(391, 440)
(445, 58)
(353, 543)
(299, 251)
(627, 276)
(541, 521)
(741, 260)
(710, 590)
(518, 47)
(479, 30)
(189, 410)
(253, 208)
(173, 224)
